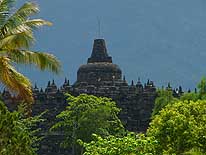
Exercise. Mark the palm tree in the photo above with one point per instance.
(16, 37)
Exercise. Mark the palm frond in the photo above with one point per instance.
(35, 23)
(48, 62)
(26, 10)
(43, 61)
(5, 7)
(19, 40)
(15, 81)
(22, 35)
(29, 26)
(16, 36)
(18, 18)
(18, 29)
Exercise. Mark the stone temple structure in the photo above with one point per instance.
(100, 77)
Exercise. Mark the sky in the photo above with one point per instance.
(160, 40)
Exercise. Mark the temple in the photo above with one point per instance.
(99, 74)
(100, 77)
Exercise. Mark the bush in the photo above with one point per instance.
(16, 134)
(180, 127)
(131, 144)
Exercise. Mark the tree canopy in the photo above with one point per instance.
(87, 115)
(132, 144)
(202, 88)
(199, 94)
(192, 96)
(164, 98)
(180, 127)
(17, 136)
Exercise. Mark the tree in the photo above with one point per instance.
(87, 115)
(190, 96)
(16, 134)
(164, 98)
(202, 88)
(131, 144)
(194, 151)
(197, 95)
(180, 127)
(16, 37)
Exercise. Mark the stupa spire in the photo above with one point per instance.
(99, 52)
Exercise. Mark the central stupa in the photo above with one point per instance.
(99, 68)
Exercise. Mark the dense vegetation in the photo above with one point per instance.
(91, 127)
(178, 126)
(131, 144)
(164, 98)
(178, 129)
(87, 115)
(17, 136)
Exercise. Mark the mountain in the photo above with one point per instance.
(163, 40)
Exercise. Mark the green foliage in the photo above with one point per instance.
(87, 115)
(180, 127)
(194, 151)
(16, 136)
(164, 98)
(190, 96)
(194, 96)
(202, 88)
(131, 144)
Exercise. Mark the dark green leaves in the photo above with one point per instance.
(16, 136)
(87, 115)
(180, 127)
(131, 144)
